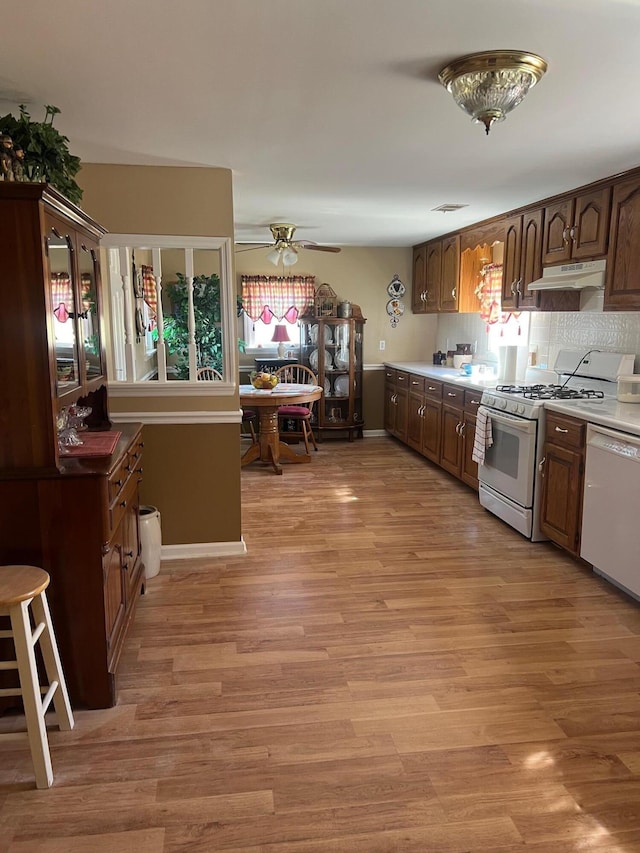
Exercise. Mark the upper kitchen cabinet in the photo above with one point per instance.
(418, 283)
(436, 267)
(449, 279)
(522, 262)
(433, 275)
(622, 290)
(576, 229)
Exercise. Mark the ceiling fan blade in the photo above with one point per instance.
(317, 248)
(253, 248)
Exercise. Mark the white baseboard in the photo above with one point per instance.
(374, 433)
(195, 550)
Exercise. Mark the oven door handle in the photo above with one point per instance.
(521, 424)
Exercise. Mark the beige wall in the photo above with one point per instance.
(361, 275)
(192, 471)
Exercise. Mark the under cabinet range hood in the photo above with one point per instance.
(571, 277)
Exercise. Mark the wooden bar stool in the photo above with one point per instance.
(21, 586)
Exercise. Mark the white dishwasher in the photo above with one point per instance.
(611, 510)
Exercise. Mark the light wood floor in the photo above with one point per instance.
(389, 669)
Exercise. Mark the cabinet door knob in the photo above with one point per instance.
(453, 292)
(513, 288)
(128, 553)
(123, 503)
(559, 429)
(474, 402)
(451, 394)
(119, 483)
(541, 465)
(573, 233)
(565, 235)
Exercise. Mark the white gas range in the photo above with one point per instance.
(510, 480)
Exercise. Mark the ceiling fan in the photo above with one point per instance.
(284, 248)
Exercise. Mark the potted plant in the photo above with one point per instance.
(46, 151)
(206, 308)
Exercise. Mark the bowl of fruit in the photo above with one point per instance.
(263, 381)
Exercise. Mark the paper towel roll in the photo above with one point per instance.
(507, 364)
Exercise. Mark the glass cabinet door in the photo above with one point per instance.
(63, 310)
(88, 314)
(358, 415)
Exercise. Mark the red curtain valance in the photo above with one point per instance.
(283, 297)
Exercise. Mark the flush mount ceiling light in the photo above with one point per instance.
(489, 85)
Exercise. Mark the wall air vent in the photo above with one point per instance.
(448, 208)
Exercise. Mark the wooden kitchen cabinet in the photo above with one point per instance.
(418, 280)
(563, 480)
(441, 276)
(396, 403)
(452, 418)
(433, 276)
(469, 468)
(432, 420)
(622, 288)
(74, 516)
(450, 274)
(415, 411)
(522, 261)
(577, 229)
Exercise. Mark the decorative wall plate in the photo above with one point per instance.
(395, 308)
(396, 287)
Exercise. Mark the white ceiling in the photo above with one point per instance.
(329, 112)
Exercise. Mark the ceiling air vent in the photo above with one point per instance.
(449, 208)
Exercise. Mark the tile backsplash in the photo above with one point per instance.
(548, 333)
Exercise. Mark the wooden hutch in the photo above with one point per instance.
(75, 516)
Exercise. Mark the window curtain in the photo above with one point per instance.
(489, 292)
(61, 296)
(283, 297)
(150, 295)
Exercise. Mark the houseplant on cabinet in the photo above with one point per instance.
(46, 151)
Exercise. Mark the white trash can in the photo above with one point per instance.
(150, 539)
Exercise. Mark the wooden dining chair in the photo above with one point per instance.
(208, 374)
(249, 416)
(300, 414)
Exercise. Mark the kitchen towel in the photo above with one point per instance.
(483, 437)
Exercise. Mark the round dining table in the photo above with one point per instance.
(268, 448)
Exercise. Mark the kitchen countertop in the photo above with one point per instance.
(445, 374)
(608, 412)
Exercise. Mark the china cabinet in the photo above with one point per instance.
(73, 514)
(332, 347)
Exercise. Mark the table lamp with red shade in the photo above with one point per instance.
(280, 335)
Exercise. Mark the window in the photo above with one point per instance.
(257, 334)
(179, 315)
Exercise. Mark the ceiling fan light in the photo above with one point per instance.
(489, 85)
(289, 257)
(274, 256)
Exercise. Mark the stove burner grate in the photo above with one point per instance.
(560, 392)
(519, 389)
